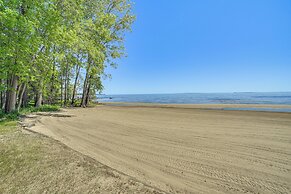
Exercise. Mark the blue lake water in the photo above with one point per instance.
(280, 98)
(283, 98)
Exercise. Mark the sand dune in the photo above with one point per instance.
(182, 150)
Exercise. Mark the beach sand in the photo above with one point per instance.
(181, 148)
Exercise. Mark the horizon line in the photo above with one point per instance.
(193, 93)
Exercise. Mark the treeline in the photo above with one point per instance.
(56, 51)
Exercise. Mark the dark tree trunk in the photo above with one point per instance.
(25, 98)
(88, 94)
(52, 90)
(10, 104)
(68, 88)
(1, 94)
(65, 93)
(85, 86)
(62, 89)
(23, 88)
(3, 100)
(84, 95)
(75, 84)
(66, 85)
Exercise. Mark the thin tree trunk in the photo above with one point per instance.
(21, 96)
(75, 84)
(1, 103)
(5, 93)
(3, 100)
(25, 98)
(83, 103)
(18, 92)
(66, 86)
(1, 95)
(61, 89)
(88, 93)
(85, 86)
(52, 90)
(65, 93)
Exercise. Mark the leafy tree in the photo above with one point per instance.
(47, 47)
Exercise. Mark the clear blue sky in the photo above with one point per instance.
(179, 46)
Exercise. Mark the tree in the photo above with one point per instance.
(48, 46)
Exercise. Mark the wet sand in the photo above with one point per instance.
(182, 149)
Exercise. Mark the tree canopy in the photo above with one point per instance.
(56, 51)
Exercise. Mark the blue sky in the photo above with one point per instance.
(181, 46)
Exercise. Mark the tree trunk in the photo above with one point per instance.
(61, 89)
(25, 98)
(38, 99)
(3, 100)
(65, 93)
(84, 95)
(21, 96)
(1, 94)
(75, 84)
(85, 86)
(88, 93)
(11, 94)
(66, 85)
(52, 90)
(18, 92)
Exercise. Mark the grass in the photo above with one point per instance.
(7, 127)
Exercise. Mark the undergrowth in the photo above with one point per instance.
(16, 114)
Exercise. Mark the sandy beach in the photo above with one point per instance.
(182, 148)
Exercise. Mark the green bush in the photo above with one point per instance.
(44, 108)
(15, 115)
(10, 116)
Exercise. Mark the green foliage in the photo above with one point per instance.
(9, 117)
(44, 108)
(42, 42)
(16, 114)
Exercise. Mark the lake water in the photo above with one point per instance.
(203, 98)
(280, 98)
